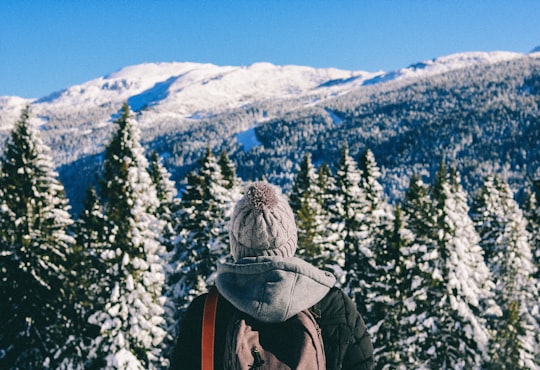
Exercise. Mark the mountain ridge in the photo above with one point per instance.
(183, 108)
(140, 73)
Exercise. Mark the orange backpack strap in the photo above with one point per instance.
(208, 329)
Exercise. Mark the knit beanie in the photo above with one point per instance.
(262, 224)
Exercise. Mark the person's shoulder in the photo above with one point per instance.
(197, 305)
(198, 302)
(336, 299)
(337, 304)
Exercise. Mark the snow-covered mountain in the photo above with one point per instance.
(191, 91)
(265, 115)
(188, 89)
(168, 94)
(183, 90)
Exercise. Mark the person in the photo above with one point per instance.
(268, 282)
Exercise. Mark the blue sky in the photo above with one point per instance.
(47, 45)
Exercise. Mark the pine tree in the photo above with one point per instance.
(228, 171)
(204, 203)
(461, 281)
(205, 211)
(326, 182)
(35, 249)
(168, 201)
(304, 181)
(327, 239)
(377, 231)
(388, 334)
(132, 316)
(167, 212)
(369, 182)
(349, 213)
(505, 241)
(91, 233)
(306, 201)
(420, 273)
(92, 227)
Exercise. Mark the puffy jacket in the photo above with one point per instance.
(288, 286)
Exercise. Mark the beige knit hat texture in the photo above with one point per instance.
(262, 224)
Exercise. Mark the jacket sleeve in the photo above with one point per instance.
(187, 351)
(346, 340)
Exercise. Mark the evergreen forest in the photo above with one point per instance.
(444, 277)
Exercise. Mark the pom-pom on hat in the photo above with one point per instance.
(262, 224)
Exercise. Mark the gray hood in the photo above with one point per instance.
(272, 289)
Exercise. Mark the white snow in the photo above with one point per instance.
(176, 93)
(190, 87)
(335, 119)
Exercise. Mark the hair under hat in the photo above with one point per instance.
(262, 224)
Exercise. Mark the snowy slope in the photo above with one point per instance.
(172, 92)
(188, 89)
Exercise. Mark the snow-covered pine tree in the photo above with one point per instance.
(205, 210)
(131, 319)
(462, 282)
(420, 256)
(35, 249)
(328, 240)
(234, 186)
(228, 171)
(167, 210)
(390, 349)
(349, 212)
(167, 195)
(92, 228)
(316, 241)
(377, 230)
(505, 241)
(304, 181)
(327, 184)
(91, 232)
(369, 182)
(306, 203)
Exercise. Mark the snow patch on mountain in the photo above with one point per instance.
(334, 117)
